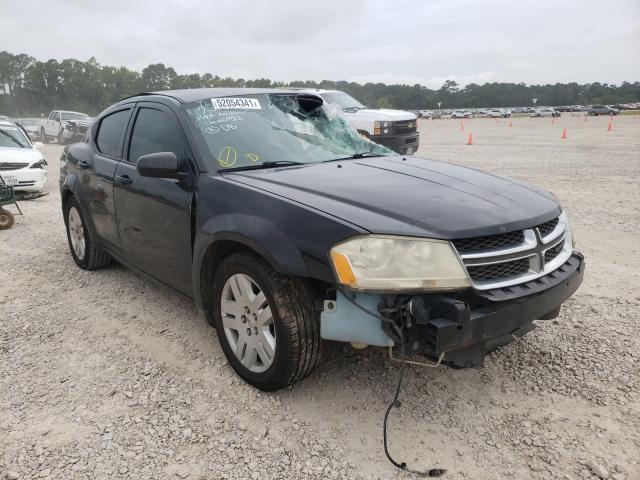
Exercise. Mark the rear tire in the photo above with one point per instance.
(6, 219)
(281, 303)
(84, 251)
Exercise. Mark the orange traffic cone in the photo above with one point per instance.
(610, 127)
(470, 139)
(564, 134)
(461, 126)
(510, 124)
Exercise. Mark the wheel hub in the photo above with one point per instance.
(248, 322)
(76, 233)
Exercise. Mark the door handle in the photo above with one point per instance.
(83, 164)
(124, 179)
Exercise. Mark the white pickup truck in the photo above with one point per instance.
(64, 126)
(395, 129)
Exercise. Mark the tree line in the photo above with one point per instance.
(29, 87)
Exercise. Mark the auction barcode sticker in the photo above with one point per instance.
(235, 103)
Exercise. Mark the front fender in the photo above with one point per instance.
(256, 233)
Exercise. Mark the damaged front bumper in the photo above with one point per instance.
(464, 326)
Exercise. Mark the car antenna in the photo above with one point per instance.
(433, 472)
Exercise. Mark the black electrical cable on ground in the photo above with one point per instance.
(433, 472)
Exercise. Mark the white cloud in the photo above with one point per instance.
(404, 41)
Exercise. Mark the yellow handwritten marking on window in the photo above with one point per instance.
(254, 157)
(227, 156)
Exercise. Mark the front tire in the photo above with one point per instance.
(266, 322)
(84, 251)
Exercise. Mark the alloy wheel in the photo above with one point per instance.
(76, 233)
(248, 323)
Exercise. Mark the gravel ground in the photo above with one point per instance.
(106, 375)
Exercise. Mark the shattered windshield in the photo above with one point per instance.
(12, 137)
(344, 101)
(260, 131)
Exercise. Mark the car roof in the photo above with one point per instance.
(194, 94)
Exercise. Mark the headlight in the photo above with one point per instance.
(386, 263)
(39, 164)
(381, 128)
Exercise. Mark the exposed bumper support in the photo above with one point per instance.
(464, 327)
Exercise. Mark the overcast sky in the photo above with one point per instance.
(390, 41)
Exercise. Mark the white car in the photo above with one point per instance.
(546, 112)
(461, 114)
(22, 165)
(395, 129)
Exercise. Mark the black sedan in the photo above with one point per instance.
(287, 227)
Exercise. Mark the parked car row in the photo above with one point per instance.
(540, 111)
(464, 113)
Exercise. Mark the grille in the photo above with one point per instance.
(499, 270)
(488, 242)
(547, 227)
(12, 166)
(553, 252)
(405, 126)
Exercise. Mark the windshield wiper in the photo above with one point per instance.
(355, 156)
(277, 163)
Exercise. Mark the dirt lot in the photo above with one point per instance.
(104, 375)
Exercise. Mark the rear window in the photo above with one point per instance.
(111, 133)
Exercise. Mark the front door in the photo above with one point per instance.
(154, 214)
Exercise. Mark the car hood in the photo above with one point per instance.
(19, 155)
(382, 114)
(409, 196)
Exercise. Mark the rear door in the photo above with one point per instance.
(95, 191)
(154, 214)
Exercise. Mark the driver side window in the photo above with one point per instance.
(153, 132)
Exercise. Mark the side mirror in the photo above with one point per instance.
(159, 165)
